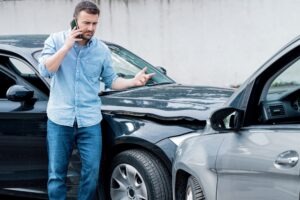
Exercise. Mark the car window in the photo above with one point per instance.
(22, 68)
(26, 71)
(5, 83)
(281, 101)
(287, 81)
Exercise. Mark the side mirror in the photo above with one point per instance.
(19, 93)
(227, 119)
(162, 70)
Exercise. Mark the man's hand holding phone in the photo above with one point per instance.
(72, 38)
(75, 35)
(74, 25)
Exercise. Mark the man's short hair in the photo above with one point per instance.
(86, 6)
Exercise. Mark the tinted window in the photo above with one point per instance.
(5, 83)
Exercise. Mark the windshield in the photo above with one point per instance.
(127, 64)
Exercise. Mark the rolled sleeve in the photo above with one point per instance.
(48, 50)
(108, 74)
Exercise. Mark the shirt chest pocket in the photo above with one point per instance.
(92, 70)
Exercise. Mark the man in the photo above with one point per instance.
(76, 60)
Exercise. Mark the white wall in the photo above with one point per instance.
(207, 42)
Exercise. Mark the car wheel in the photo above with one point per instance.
(193, 190)
(137, 174)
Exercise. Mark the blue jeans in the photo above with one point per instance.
(60, 141)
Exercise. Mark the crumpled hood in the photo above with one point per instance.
(167, 101)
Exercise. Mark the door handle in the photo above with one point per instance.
(287, 159)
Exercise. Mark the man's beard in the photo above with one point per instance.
(87, 37)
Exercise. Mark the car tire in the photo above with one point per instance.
(193, 190)
(137, 174)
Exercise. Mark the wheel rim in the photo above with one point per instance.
(127, 183)
(189, 193)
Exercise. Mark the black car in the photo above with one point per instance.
(141, 126)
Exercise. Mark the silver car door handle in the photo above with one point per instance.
(287, 159)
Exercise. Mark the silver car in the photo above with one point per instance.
(250, 148)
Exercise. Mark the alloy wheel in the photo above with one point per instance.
(127, 183)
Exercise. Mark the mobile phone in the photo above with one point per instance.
(73, 25)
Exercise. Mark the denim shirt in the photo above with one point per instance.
(75, 85)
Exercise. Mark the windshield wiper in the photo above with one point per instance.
(108, 92)
(162, 83)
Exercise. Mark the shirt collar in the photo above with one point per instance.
(91, 41)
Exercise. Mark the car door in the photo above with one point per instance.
(260, 161)
(23, 158)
